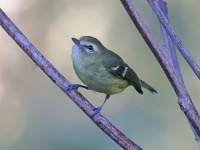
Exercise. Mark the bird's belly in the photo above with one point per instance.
(108, 87)
(103, 82)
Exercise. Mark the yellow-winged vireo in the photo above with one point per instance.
(102, 70)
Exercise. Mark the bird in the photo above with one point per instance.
(102, 70)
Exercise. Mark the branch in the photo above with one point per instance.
(170, 49)
(184, 99)
(177, 41)
(172, 53)
(103, 123)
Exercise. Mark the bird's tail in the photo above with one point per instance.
(147, 86)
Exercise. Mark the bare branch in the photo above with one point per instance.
(104, 124)
(184, 99)
(172, 53)
(177, 41)
(170, 49)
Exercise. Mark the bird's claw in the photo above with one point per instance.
(96, 111)
(73, 87)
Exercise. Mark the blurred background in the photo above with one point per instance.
(36, 115)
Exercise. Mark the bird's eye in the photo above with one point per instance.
(90, 47)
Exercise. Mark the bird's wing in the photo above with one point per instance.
(115, 65)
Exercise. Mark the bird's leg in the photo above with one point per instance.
(76, 86)
(98, 109)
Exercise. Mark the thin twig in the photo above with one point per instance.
(184, 99)
(177, 41)
(104, 124)
(170, 49)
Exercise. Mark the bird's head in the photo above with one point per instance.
(89, 45)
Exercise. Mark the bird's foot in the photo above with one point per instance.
(96, 111)
(75, 87)
(72, 87)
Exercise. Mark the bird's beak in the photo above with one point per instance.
(76, 41)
